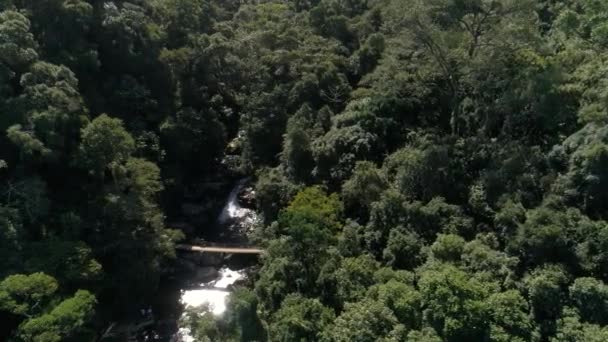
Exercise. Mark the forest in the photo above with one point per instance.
(425, 170)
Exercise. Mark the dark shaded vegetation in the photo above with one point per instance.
(427, 170)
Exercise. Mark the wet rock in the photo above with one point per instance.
(206, 274)
(192, 209)
(247, 197)
(203, 259)
(185, 266)
(186, 228)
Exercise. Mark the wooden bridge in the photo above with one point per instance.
(220, 249)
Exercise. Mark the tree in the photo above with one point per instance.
(546, 289)
(305, 230)
(454, 36)
(590, 297)
(297, 151)
(202, 324)
(300, 319)
(448, 248)
(570, 329)
(510, 316)
(403, 249)
(364, 187)
(419, 173)
(363, 321)
(273, 192)
(403, 300)
(69, 262)
(64, 321)
(484, 258)
(315, 204)
(194, 138)
(105, 145)
(18, 50)
(581, 158)
(549, 235)
(455, 304)
(243, 317)
(54, 111)
(27, 295)
(354, 277)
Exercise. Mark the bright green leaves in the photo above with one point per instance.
(63, 321)
(315, 204)
(26, 294)
(32, 297)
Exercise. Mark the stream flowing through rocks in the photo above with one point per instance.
(233, 221)
(202, 279)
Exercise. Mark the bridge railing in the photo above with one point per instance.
(204, 243)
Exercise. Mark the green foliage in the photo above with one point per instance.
(64, 321)
(105, 145)
(69, 262)
(590, 297)
(511, 321)
(194, 135)
(448, 248)
(26, 294)
(314, 204)
(353, 277)
(403, 249)
(364, 187)
(243, 317)
(547, 288)
(273, 192)
(300, 319)
(455, 304)
(364, 321)
(427, 170)
(403, 300)
(17, 45)
(572, 329)
(202, 324)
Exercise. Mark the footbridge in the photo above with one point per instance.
(217, 248)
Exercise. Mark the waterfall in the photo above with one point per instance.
(214, 293)
(232, 209)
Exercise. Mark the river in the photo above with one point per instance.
(202, 279)
(233, 222)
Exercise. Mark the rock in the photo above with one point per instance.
(206, 274)
(203, 259)
(185, 266)
(192, 209)
(247, 197)
(186, 228)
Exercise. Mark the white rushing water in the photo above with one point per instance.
(232, 210)
(213, 294)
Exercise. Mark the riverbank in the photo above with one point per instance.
(206, 278)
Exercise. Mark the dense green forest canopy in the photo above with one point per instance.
(427, 170)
